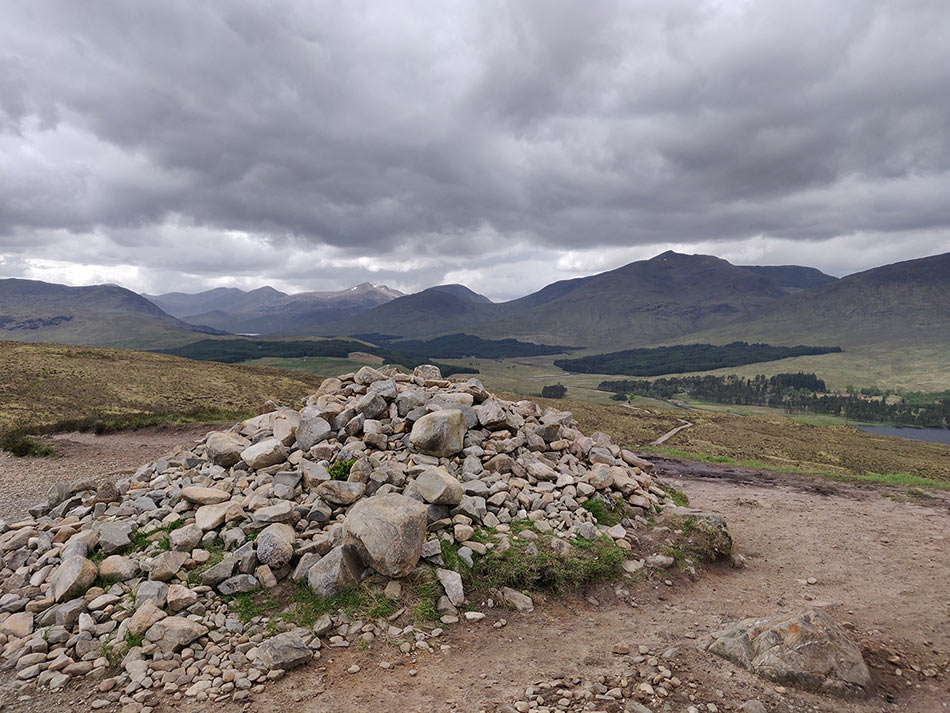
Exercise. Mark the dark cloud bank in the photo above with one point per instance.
(182, 145)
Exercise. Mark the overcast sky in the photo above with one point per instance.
(182, 145)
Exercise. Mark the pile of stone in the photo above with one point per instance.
(141, 572)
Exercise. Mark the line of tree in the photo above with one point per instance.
(554, 391)
(459, 346)
(795, 393)
(684, 358)
(232, 351)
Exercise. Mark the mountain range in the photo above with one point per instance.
(35, 311)
(906, 302)
(641, 303)
(270, 312)
(671, 298)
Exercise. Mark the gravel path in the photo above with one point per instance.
(669, 434)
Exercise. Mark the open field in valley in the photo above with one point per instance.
(912, 367)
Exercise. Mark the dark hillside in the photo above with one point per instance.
(792, 278)
(907, 302)
(105, 315)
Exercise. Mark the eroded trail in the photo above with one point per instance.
(881, 565)
(669, 434)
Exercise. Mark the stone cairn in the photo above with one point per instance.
(119, 581)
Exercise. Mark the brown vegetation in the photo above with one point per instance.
(46, 387)
(766, 442)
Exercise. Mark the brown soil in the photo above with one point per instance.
(881, 562)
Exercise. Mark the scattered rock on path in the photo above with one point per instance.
(284, 651)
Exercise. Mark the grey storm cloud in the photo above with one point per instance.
(419, 141)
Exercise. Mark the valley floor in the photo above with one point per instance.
(881, 563)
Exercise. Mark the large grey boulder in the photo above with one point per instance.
(224, 449)
(367, 375)
(517, 600)
(238, 584)
(186, 538)
(337, 570)
(285, 426)
(166, 565)
(174, 632)
(73, 577)
(211, 517)
(313, 429)
(313, 474)
(180, 597)
(387, 389)
(452, 584)
(438, 487)
(491, 415)
(284, 651)
(440, 433)
(387, 532)
(406, 401)
(371, 405)
(281, 511)
(275, 545)
(114, 536)
(116, 568)
(427, 372)
(18, 626)
(216, 574)
(265, 453)
(144, 618)
(806, 649)
(204, 496)
(340, 492)
(151, 591)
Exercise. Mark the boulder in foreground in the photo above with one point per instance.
(806, 649)
(440, 433)
(387, 532)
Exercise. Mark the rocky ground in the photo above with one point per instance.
(880, 564)
(85, 456)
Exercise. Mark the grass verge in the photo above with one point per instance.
(560, 571)
(303, 607)
(604, 512)
(898, 480)
(24, 446)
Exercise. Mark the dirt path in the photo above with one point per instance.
(882, 566)
(669, 434)
(84, 456)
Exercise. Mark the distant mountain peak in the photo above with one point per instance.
(461, 292)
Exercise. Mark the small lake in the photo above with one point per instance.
(932, 435)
